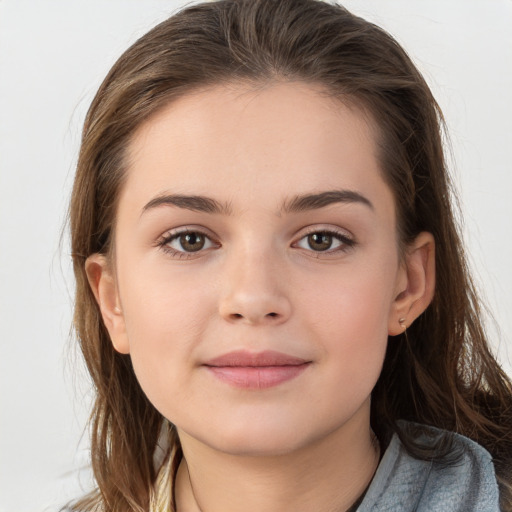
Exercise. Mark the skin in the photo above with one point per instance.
(258, 284)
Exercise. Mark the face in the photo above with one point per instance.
(256, 274)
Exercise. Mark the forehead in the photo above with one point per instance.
(245, 143)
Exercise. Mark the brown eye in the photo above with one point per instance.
(320, 241)
(186, 242)
(330, 242)
(192, 242)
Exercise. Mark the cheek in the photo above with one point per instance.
(349, 318)
(166, 317)
(356, 300)
(164, 307)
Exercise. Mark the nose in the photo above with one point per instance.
(253, 291)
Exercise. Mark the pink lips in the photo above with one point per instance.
(256, 370)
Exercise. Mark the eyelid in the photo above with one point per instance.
(319, 228)
(172, 234)
(346, 239)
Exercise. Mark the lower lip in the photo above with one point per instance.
(257, 377)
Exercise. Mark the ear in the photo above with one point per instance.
(415, 284)
(103, 285)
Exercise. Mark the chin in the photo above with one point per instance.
(263, 445)
(270, 437)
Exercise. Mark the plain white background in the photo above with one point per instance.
(53, 55)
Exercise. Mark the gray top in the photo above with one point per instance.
(405, 484)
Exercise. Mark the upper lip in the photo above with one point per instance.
(255, 359)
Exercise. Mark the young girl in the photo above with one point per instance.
(272, 297)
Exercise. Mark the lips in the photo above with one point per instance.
(260, 370)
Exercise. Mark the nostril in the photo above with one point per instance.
(238, 315)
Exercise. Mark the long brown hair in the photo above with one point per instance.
(440, 373)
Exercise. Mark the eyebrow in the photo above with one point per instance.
(307, 202)
(296, 204)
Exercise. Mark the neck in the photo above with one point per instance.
(327, 475)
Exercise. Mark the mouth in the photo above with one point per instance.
(260, 370)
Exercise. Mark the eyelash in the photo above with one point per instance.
(347, 243)
(164, 242)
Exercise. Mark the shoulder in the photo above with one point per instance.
(463, 480)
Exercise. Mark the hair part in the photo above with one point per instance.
(440, 373)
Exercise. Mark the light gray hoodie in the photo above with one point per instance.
(405, 484)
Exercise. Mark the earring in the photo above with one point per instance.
(401, 321)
